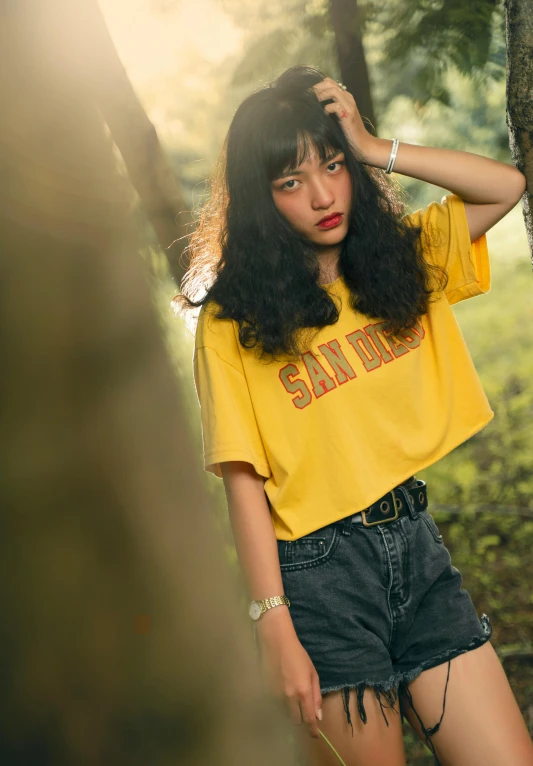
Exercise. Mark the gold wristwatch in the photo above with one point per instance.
(257, 608)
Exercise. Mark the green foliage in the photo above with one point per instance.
(272, 46)
(284, 34)
(420, 41)
(410, 45)
(495, 467)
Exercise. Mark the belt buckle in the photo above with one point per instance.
(381, 521)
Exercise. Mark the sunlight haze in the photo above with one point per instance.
(153, 42)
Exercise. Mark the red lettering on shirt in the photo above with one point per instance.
(338, 362)
(292, 386)
(365, 350)
(372, 331)
(320, 380)
(369, 345)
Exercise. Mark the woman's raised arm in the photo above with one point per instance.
(488, 187)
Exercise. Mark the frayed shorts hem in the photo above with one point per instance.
(388, 691)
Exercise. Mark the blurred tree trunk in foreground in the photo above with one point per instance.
(82, 31)
(519, 32)
(345, 22)
(122, 640)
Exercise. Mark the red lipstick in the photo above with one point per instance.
(330, 221)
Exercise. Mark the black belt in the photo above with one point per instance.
(395, 503)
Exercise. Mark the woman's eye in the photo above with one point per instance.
(334, 165)
(290, 184)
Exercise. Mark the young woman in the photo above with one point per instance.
(330, 369)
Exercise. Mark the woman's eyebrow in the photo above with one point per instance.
(295, 172)
(288, 172)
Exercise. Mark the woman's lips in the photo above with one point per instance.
(331, 222)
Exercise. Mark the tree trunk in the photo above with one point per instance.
(519, 33)
(81, 30)
(122, 641)
(344, 16)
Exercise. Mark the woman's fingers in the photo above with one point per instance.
(317, 696)
(308, 708)
(293, 703)
(336, 94)
(341, 103)
(337, 109)
(331, 87)
(328, 82)
(303, 709)
(292, 672)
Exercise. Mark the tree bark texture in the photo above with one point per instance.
(344, 16)
(519, 34)
(122, 638)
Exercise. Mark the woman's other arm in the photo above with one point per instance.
(293, 673)
(255, 539)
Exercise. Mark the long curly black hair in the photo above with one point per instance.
(246, 259)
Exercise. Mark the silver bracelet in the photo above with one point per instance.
(393, 154)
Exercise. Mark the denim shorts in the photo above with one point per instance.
(376, 606)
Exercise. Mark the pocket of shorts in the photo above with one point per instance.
(311, 550)
(431, 524)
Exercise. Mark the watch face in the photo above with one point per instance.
(255, 610)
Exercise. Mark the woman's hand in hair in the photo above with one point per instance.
(342, 103)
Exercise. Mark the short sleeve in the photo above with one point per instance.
(448, 244)
(229, 425)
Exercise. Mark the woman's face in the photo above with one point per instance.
(316, 198)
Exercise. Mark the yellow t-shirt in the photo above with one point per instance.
(361, 413)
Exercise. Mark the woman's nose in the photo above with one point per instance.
(322, 196)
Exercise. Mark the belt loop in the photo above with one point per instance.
(412, 510)
(347, 525)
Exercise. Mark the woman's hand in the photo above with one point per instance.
(290, 671)
(345, 108)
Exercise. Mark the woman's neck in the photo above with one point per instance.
(328, 261)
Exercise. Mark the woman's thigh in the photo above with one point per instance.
(371, 743)
(482, 723)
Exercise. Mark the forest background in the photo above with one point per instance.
(436, 77)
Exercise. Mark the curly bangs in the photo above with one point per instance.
(293, 132)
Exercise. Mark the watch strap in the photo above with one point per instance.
(269, 603)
